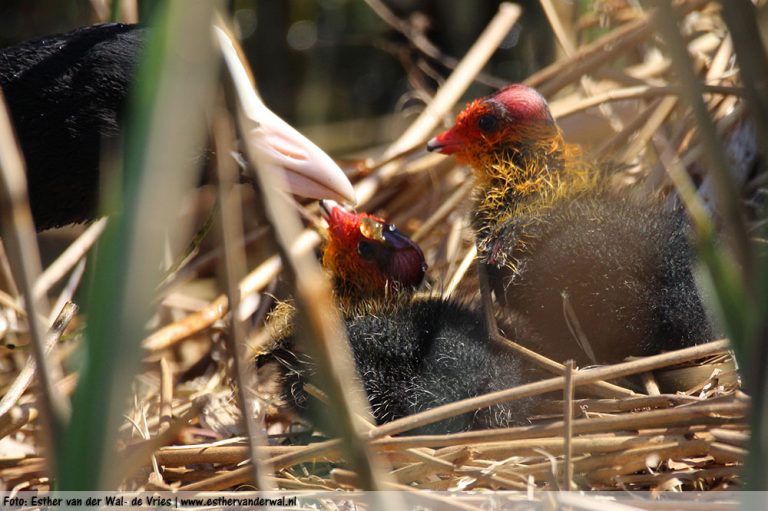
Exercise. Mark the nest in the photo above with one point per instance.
(686, 431)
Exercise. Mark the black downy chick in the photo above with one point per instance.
(600, 275)
(67, 95)
(411, 354)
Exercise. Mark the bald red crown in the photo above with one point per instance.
(523, 103)
(515, 117)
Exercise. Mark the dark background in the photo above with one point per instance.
(329, 61)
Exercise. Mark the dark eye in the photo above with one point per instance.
(487, 122)
(366, 250)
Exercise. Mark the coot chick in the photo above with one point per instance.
(599, 274)
(412, 353)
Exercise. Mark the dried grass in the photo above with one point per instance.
(608, 437)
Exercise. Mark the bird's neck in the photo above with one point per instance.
(354, 299)
(521, 183)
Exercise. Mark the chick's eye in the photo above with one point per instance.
(366, 250)
(487, 122)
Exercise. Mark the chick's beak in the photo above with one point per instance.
(446, 142)
(326, 206)
(308, 170)
(335, 214)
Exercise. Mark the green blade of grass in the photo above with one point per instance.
(172, 93)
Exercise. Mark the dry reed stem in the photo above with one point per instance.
(230, 227)
(349, 479)
(726, 197)
(604, 467)
(703, 413)
(169, 335)
(527, 390)
(25, 376)
(658, 116)
(12, 303)
(605, 444)
(741, 21)
(557, 27)
(204, 454)
(608, 467)
(553, 384)
(725, 453)
(568, 394)
(650, 384)
(555, 445)
(166, 395)
(458, 81)
(600, 388)
(720, 63)
(69, 258)
(568, 49)
(693, 473)
(415, 471)
(587, 58)
(7, 282)
(68, 291)
(425, 456)
(154, 421)
(415, 34)
(556, 76)
(608, 148)
(134, 459)
(561, 110)
(16, 418)
(736, 438)
(446, 208)
(320, 326)
(627, 404)
(466, 262)
(18, 231)
(448, 467)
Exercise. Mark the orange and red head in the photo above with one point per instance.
(366, 256)
(521, 163)
(513, 121)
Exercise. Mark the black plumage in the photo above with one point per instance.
(417, 356)
(412, 353)
(66, 94)
(610, 268)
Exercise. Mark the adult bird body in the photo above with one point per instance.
(68, 94)
(599, 274)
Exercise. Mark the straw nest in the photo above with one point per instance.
(616, 95)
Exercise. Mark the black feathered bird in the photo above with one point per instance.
(412, 354)
(67, 95)
(597, 273)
